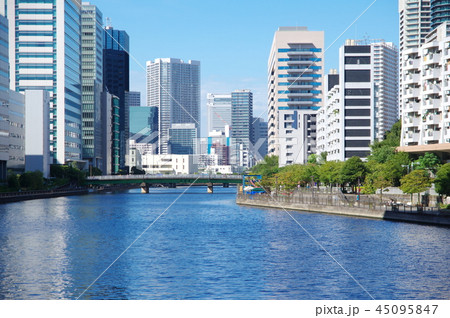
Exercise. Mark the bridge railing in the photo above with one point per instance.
(166, 176)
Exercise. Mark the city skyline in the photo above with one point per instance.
(235, 52)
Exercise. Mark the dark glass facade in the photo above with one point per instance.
(116, 78)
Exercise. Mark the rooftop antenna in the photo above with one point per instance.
(108, 23)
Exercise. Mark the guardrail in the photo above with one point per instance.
(165, 176)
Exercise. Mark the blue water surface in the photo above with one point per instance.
(206, 247)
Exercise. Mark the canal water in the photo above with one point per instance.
(206, 247)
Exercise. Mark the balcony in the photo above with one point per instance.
(431, 89)
(432, 73)
(432, 58)
(412, 107)
(432, 119)
(411, 93)
(432, 103)
(411, 78)
(300, 70)
(411, 137)
(412, 64)
(410, 122)
(431, 135)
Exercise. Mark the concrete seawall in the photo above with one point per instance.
(442, 220)
(41, 195)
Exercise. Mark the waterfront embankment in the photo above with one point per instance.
(339, 204)
(34, 195)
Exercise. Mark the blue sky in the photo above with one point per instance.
(232, 38)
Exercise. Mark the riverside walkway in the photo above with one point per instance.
(346, 205)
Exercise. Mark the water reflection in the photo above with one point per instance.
(206, 247)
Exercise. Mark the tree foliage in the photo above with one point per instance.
(329, 172)
(415, 182)
(268, 167)
(429, 161)
(442, 181)
(353, 171)
(32, 180)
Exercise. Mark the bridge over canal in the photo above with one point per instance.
(169, 180)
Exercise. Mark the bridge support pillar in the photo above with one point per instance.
(144, 188)
(210, 188)
(226, 185)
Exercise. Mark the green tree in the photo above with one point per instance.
(32, 180)
(353, 171)
(13, 181)
(290, 176)
(379, 177)
(442, 181)
(267, 168)
(429, 161)
(313, 159)
(329, 172)
(415, 182)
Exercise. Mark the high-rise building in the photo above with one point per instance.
(133, 99)
(183, 139)
(116, 78)
(259, 144)
(12, 114)
(440, 12)
(219, 111)
(92, 82)
(241, 127)
(45, 51)
(360, 104)
(174, 87)
(295, 71)
(426, 97)
(415, 23)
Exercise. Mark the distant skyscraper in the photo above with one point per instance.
(241, 127)
(92, 82)
(116, 78)
(143, 124)
(219, 111)
(295, 71)
(259, 137)
(133, 99)
(45, 51)
(183, 139)
(174, 87)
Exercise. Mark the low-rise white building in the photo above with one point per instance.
(169, 164)
(219, 169)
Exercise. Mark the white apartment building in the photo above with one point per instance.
(168, 164)
(330, 137)
(414, 25)
(295, 93)
(426, 94)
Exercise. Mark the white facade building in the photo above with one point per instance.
(426, 94)
(219, 111)
(361, 106)
(168, 164)
(295, 93)
(37, 150)
(45, 54)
